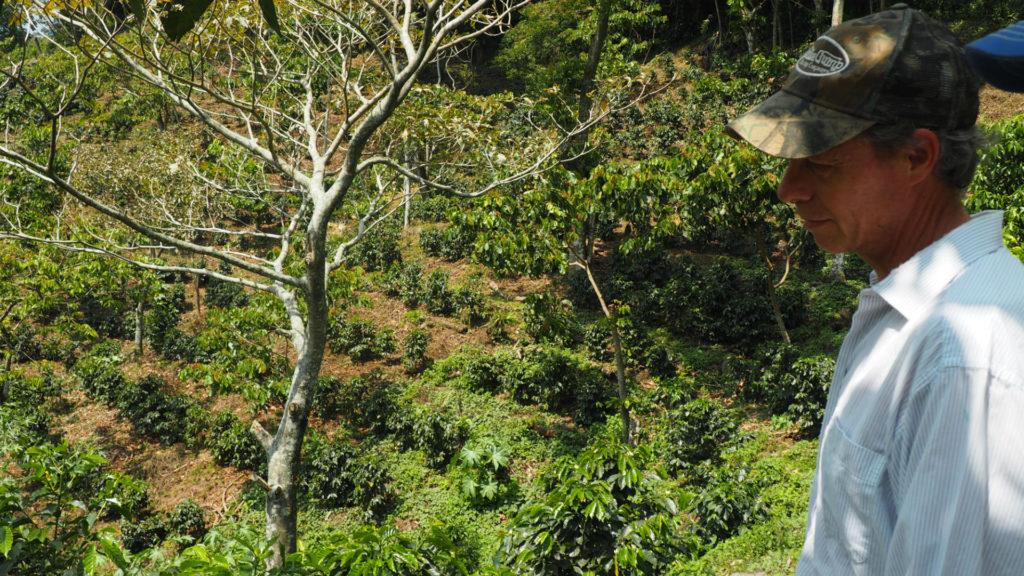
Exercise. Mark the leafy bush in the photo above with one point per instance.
(49, 512)
(486, 470)
(794, 386)
(187, 519)
(99, 375)
(163, 331)
(232, 444)
(996, 185)
(144, 534)
(373, 492)
(438, 435)
(223, 294)
(38, 391)
(405, 282)
(597, 338)
(414, 350)
(337, 474)
(154, 412)
(452, 243)
(379, 248)
(437, 295)
(469, 305)
(548, 319)
(729, 502)
(326, 471)
(369, 402)
(105, 315)
(560, 382)
(486, 373)
(360, 339)
(130, 496)
(733, 307)
(696, 433)
(551, 377)
(606, 511)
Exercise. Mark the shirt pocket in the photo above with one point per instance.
(851, 496)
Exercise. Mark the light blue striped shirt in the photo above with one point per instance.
(921, 456)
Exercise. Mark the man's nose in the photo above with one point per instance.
(793, 188)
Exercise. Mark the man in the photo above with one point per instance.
(921, 455)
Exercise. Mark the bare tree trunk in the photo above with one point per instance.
(620, 362)
(772, 293)
(721, 24)
(776, 25)
(407, 158)
(199, 301)
(589, 79)
(837, 12)
(284, 448)
(140, 328)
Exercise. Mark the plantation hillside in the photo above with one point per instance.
(330, 287)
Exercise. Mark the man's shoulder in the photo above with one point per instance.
(978, 322)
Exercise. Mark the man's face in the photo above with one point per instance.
(850, 199)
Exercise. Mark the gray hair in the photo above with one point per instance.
(958, 149)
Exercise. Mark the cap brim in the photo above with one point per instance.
(788, 126)
(999, 58)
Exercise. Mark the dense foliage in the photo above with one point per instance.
(464, 421)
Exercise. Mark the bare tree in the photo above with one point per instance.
(322, 108)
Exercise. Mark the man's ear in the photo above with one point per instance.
(922, 154)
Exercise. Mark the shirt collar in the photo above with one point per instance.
(913, 286)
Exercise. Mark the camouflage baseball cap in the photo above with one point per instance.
(892, 65)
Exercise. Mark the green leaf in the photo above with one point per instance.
(138, 8)
(182, 16)
(6, 540)
(270, 15)
(113, 553)
(90, 560)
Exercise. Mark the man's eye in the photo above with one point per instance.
(818, 168)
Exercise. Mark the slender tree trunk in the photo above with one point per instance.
(721, 24)
(140, 328)
(284, 448)
(407, 192)
(837, 12)
(776, 25)
(620, 362)
(199, 301)
(772, 292)
(589, 80)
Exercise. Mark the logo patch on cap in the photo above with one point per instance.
(825, 58)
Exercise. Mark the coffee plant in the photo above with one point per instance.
(414, 350)
(327, 471)
(379, 249)
(437, 295)
(360, 339)
(222, 294)
(608, 510)
(548, 319)
(451, 244)
(232, 444)
(438, 435)
(696, 433)
(794, 386)
(729, 502)
(405, 282)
